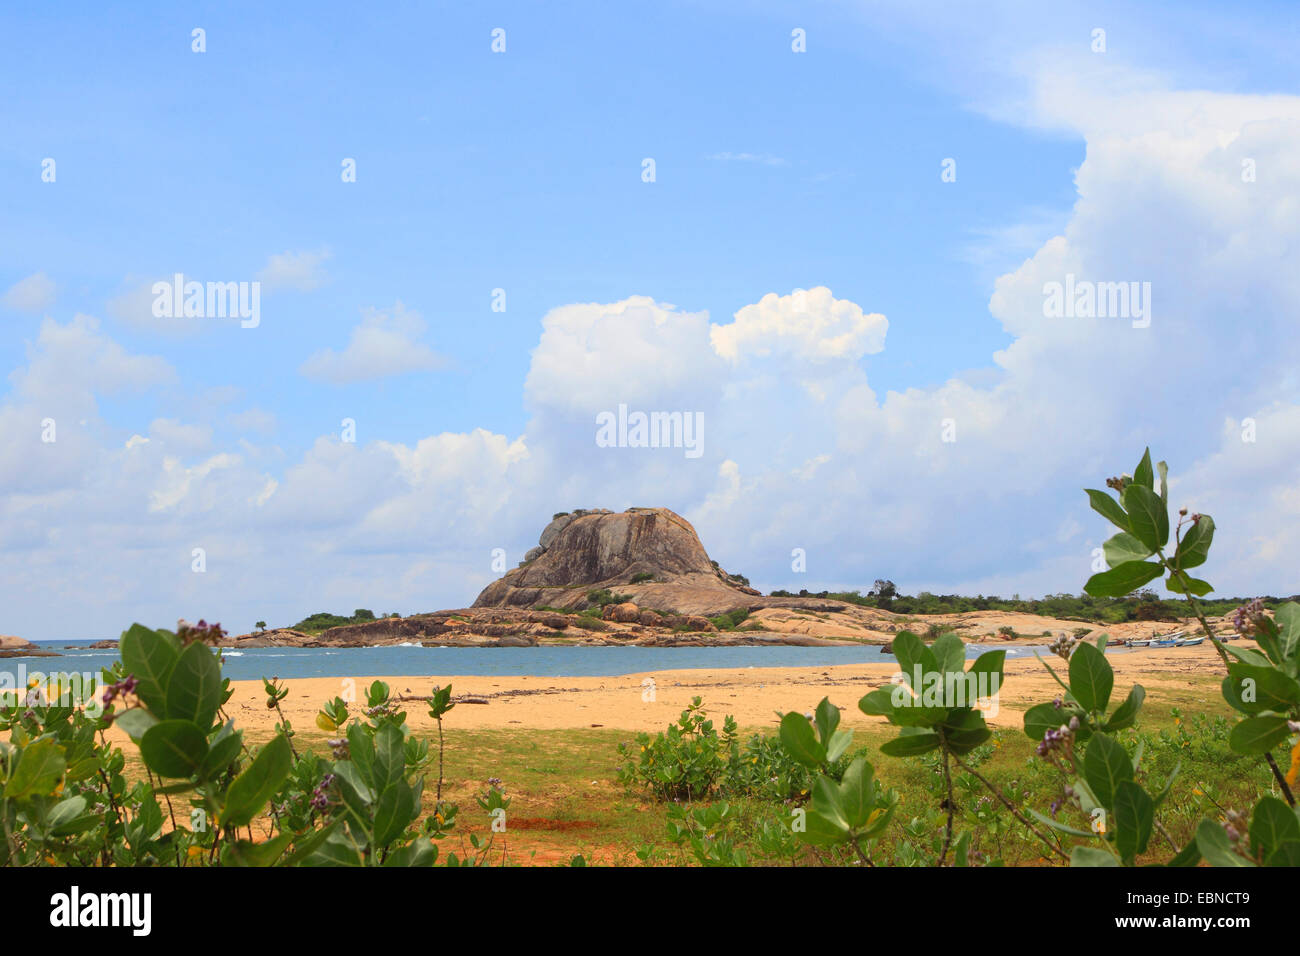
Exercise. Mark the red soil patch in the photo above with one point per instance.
(546, 823)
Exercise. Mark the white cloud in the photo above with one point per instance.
(383, 344)
(35, 293)
(301, 271)
(252, 420)
(178, 437)
(807, 325)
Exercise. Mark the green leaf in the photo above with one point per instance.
(1213, 843)
(990, 662)
(1125, 714)
(194, 686)
(135, 722)
(910, 652)
(1142, 474)
(361, 750)
(1091, 678)
(1123, 578)
(174, 748)
(69, 817)
(1272, 824)
(826, 801)
(247, 853)
(1058, 825)
(964, 730)
(827, 718)
(422, 852)
(1147, 514)
(390, 756)
(1253, 689)
(1041, 718)
(1091, 856)
(149, 656)
(394, 812)
(1190, 855)
(1108, 508)
(840, 741)
(222, 752)
(800, 742)
(1195, 546)
(821, 830)
(1248, 655)
(878, 703)
(949, 654)
(1258, 735)
(1105, 766)
(258, 783)
(1124, 547)
(1287, 854)
(38, 770)
(1180, 582)
(337, 849)
(856, 792)
(1134, 818)
(910, 742)
(1287, 618)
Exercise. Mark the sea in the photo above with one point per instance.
(416, 660)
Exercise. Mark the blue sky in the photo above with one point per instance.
(775, 171)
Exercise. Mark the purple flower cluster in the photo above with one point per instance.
(1236, 825)
(1247, 618)
(1062, 646)
(121, 688)
(320, 798)
(1061, 739)
(203, 632)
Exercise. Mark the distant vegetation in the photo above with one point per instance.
(323, 620)
(1143, 605)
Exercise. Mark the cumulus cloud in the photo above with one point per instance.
(807, 325)
(300, 271)
(384, 344)
(35, 293)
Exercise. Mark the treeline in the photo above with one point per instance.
(323, 620)
(1144, 605)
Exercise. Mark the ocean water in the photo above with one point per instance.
(418, 661)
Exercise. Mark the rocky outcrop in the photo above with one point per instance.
(651, 555)
(11, 646)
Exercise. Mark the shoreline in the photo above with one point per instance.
(753, 695)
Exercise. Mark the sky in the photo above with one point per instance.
(825, 230)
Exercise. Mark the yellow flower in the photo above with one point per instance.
(194, 851)
(59, 788)
(32, 683)
(1294, 773)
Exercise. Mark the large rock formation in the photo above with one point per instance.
(12, 646)
(652, 555)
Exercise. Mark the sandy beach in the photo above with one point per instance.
(752, 695)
